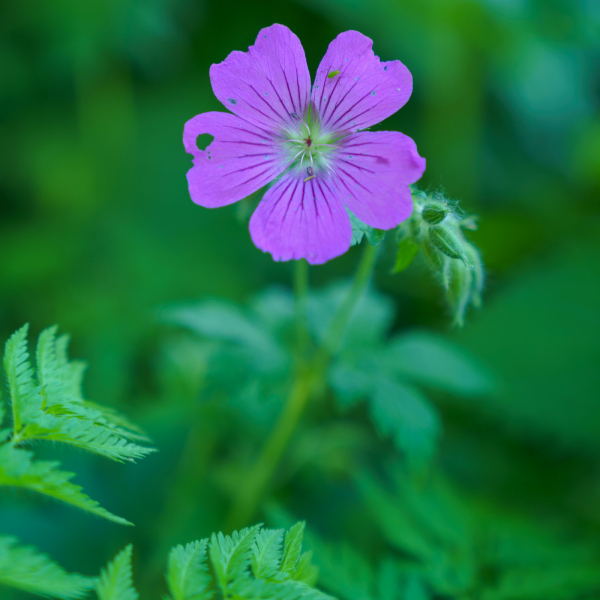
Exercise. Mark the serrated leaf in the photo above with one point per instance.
(306, 571)
(430, 359)
(188, 577)
(230, 557)
(24, 568)
(115, 582)
(292, 549)
(17, 469)
(25, 398)
(266, 553)
(360, 230)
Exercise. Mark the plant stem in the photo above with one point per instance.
(342, 317)
(309, 380)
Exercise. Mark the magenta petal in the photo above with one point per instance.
(301, 219)
(373, 171)
(365, 92)
(239, 161)
(267, 83)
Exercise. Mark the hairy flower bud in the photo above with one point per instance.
(434, 213)
(448, 240)
(436, 228)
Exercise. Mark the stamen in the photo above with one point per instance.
(310, 173)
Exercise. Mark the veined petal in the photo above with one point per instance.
(240, 160)
(373, 171)
(301, 219)
(365, 92)
(267, 83)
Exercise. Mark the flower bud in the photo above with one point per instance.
(434, 213)
(459, 290)
(447, 241)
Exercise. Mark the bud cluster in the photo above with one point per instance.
(436, 229)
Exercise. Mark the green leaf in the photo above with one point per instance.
(230, 557)
(371, 320)
(17, 469)
(407, 252)
(360, 230)
(25, 397)
(220, 320)
(188, 577)
(343, 570)
(52, 408)
(24, 568)
(266, 553)
(306, 571)
(432, 360)
(405, 414)
(292, 549)
(115, 582)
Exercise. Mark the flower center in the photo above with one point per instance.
(308, 149)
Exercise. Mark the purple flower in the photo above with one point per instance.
(310, 142)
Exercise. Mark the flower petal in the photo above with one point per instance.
(365, 92)
(373, 171)
(240, 160)
(301, 219)
(267, 83)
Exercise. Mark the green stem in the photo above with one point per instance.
(308, 381)
(337, 327)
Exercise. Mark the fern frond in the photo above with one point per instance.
(292, 549)
(228, 574)
(24, 568)
(91, 436)
(115, 582)
(25, 398)
(306, 572)
(230, 557)
(266, 553)
(187, 576)
(17, 469)
(50, 406)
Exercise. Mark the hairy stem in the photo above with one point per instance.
(309, 381)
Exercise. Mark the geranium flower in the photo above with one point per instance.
(311, 143)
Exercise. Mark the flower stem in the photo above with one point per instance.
(309, 381)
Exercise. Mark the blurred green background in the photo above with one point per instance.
(97, 232)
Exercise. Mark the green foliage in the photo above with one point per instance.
(48, 405)
(457, 544)
(18, 469)
(436, 229)
(386, 374)
(115, 582)
(187, 576)
(360, 230)
(25, 568)
(249, 565)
